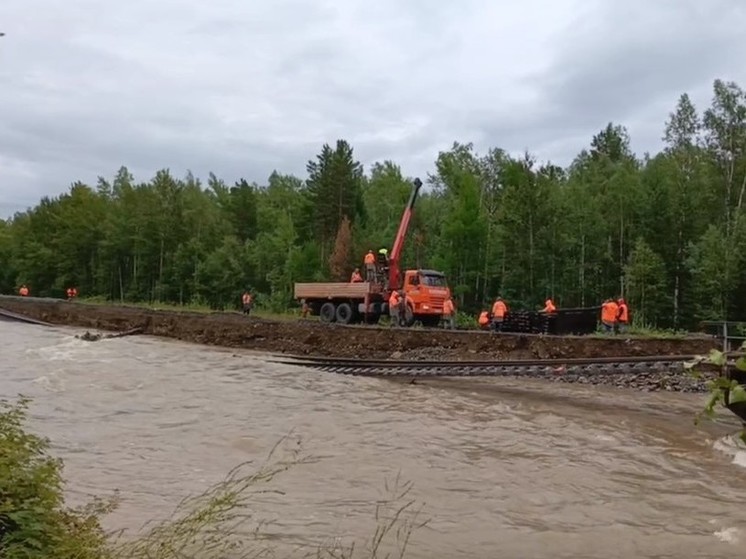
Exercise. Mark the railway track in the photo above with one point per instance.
(15, 317)
(491, 368)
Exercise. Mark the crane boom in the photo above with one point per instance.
(401, 234)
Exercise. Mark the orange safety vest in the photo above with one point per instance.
(394, 300)
(499, 309)
(623, 313)
(370, 258)
(23, 291)
(484, 318)
(609, 312)
(246, 299)
(448, 308)
(549, 306)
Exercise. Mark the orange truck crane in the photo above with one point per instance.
(347, 303)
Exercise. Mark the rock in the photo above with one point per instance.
(88, 337)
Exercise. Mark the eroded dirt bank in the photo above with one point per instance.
(304, 337)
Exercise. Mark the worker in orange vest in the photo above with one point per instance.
(23, 292)
(394, 305)
(370, 266)
(356, 277)
(484, 320)
(247, 302)
(72, 292)
(499, 310)
(622, 315)
(609, 313)
(449, 314)
(549, 307)
(403, 300)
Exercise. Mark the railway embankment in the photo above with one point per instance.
(309, 337)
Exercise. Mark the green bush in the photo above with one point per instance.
(721, 389)
(34, 522)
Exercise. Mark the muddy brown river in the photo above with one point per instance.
(502, 468)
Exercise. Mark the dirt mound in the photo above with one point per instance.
(306, 337)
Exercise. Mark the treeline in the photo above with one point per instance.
(666, 231)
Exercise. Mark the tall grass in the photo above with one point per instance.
(223, 522)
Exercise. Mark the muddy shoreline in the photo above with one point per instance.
(305, 337)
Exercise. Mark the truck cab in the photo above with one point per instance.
(426, 292)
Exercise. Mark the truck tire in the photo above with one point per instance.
(409, 317)
(344, 313)
(430, 321)
(373, 318)
(327, 313)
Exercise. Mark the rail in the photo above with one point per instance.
(15, 317)
(535, 367)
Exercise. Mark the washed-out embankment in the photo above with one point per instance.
(308, 337)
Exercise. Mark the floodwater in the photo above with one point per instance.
(500, 468)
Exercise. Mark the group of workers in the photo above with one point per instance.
(615, 315)
(495, 317)
(376, 268)
(398, 310)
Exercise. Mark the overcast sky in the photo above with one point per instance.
(242, 87)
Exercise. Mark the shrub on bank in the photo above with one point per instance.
(35, 523)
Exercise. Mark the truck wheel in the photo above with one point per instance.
(372, 318)
(344, 313)
(409, 317)
(430, 321)
(327, 312)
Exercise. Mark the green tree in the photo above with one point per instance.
(463, 229)
(334, 191)
(713, 277)
(494, 223)
(645, 272)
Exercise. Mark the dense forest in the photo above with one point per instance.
(666, 231)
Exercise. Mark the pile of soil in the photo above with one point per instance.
(309, 337)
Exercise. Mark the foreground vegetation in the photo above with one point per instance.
(221, 523)
(665, 230)
(724, 391)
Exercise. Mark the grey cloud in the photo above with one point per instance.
(243, 88)
(641, 56)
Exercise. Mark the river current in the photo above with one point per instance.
(501, 468)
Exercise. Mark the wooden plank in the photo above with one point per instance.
(332, 290)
